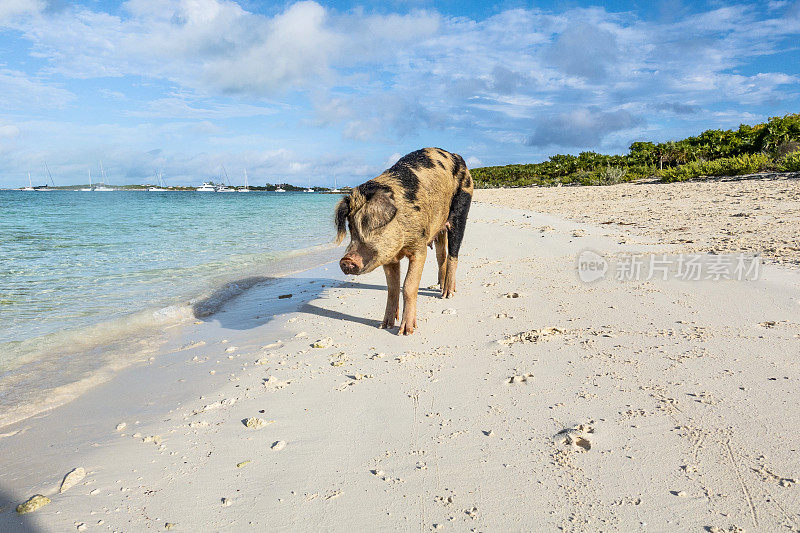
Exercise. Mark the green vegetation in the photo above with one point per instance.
(770, 146)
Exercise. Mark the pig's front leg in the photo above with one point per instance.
(392, 271)
(410, 288)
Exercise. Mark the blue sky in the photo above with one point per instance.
(304, 90)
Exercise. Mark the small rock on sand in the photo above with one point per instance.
(254, 422)
(240, 465)
(278, 445)
(533, 335)
(72, 478)
(33, 503)
(170, 525)
(226, 502)
(449, 311)
(519, 378)
(121, 426)
(323, 343)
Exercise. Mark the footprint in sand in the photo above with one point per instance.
(519, 378)
(576, 437)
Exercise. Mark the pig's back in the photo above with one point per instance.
(426, 181)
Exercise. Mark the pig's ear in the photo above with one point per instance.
(342, 210)
(379, 211)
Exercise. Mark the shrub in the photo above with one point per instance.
(727, 166)
(791, 163)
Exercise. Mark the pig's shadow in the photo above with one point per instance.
(330, 313)
(265, 298)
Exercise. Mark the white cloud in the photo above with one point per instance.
(20, 91)
(473, 162)
(177, 107)
(8, 131)
(11, 9)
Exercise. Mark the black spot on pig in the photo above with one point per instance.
(369, 188)
(405, 171)
(417, 208)
(459, 167)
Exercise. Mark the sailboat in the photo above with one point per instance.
(224, 187)
(246, 184)
(46, 186)
(89, 188)
(102, 187)
(335, 188)
(309, 186)
(30, 184)
(160, 187)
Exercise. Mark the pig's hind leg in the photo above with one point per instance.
(392, 271)
(441, 256)
(457, 221)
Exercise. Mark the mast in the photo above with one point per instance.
(30, 183)
(246, 185)
(90, 178)
(48, 174)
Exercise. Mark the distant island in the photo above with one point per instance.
(771, 146)
(287, 187)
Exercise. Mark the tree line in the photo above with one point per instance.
(770, 146)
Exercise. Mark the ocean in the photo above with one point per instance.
(83, 269)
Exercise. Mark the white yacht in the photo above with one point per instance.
(280, 189)
(206, 187)
(246, 184)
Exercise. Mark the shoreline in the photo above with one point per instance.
(97, 352)
(622, 405)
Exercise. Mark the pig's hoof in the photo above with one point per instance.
(406, 329)
(386, 324)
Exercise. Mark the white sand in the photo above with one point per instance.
(657, 406)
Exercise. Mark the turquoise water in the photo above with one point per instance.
(72, 260)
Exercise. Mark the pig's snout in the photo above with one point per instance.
(351, 264)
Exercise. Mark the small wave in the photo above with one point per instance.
(44, 372)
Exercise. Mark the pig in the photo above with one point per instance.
(423, 200)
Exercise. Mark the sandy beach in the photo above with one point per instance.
(747, 214)
(532, 401)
